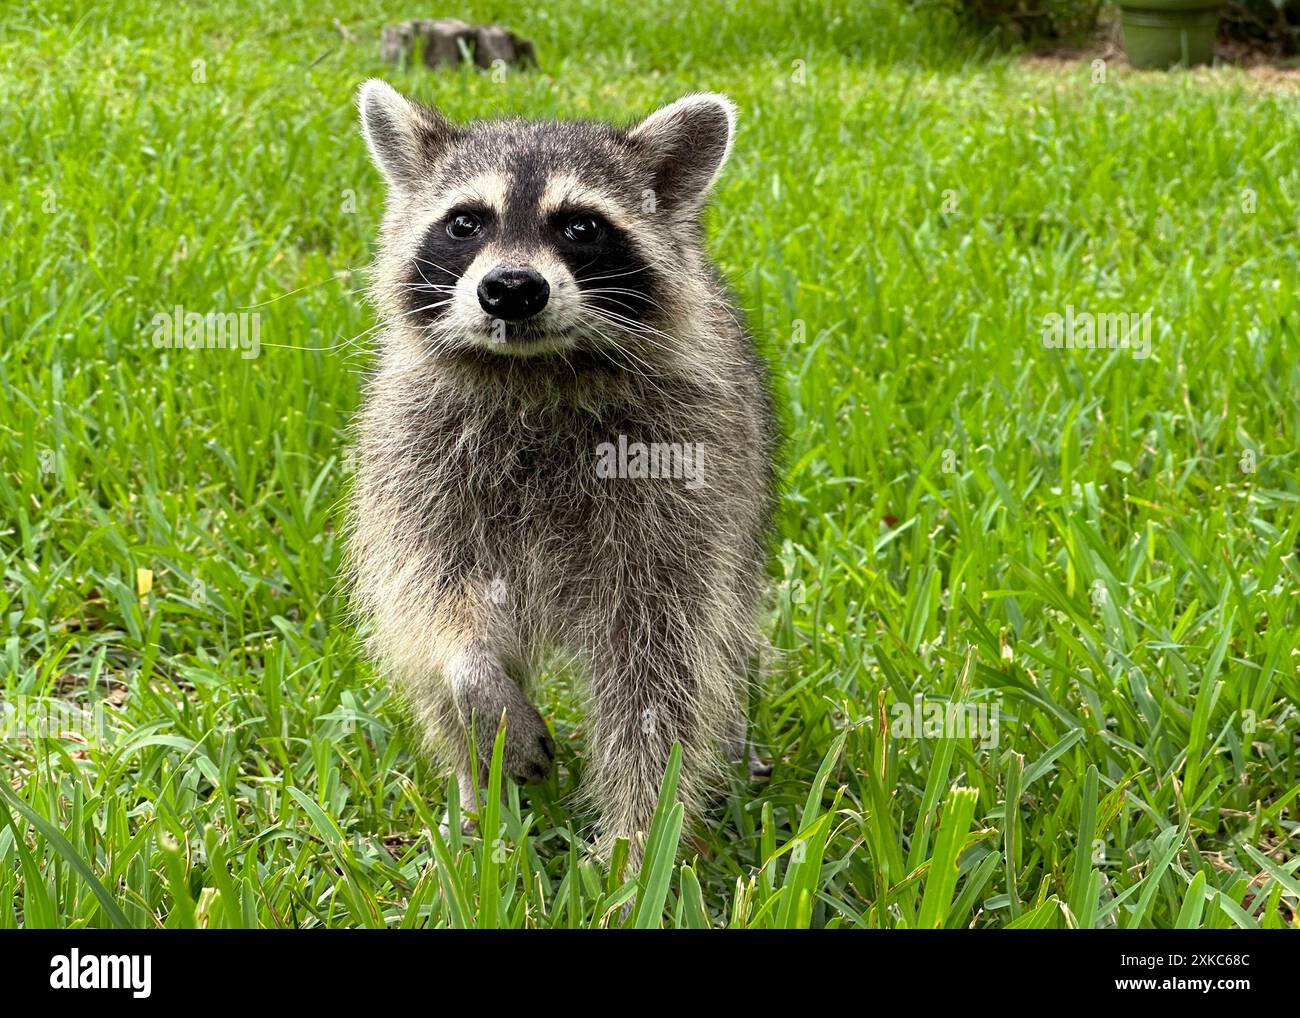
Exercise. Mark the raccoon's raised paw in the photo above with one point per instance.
(529, 751)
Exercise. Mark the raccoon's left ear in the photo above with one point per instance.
(686, 144)
(405, 138)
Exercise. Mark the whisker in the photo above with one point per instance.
(440, 268)
(646, 334)
(602, 291)
(631, 271)
(333, 278)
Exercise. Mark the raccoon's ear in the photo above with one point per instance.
(404, 137)
(686, 144)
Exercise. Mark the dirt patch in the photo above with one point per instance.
(1261, 68)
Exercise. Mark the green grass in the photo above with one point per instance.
(1073, 536)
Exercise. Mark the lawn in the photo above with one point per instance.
(1089, 552)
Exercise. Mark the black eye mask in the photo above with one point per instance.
(441, 260)
(610, 272)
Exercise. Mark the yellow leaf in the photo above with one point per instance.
(143, 581)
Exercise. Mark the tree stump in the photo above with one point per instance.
(446, 42)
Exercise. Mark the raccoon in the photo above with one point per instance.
(565, 448)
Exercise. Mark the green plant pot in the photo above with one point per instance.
(1167, 33)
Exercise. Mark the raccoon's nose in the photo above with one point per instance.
(513, 292)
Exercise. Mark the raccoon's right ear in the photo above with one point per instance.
(405, 138)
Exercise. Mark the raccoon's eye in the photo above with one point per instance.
(583, 229)
(463, 226)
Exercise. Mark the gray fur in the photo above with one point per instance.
(482, 541)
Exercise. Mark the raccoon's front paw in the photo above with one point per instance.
(529, 751)
(483, 695)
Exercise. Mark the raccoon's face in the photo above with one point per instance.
(529, 238)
